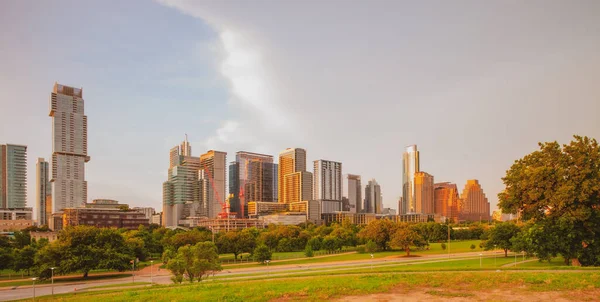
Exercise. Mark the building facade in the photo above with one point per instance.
(103, 218)
(43, 191)
(447, 203)
(423, 193)
(475, 205)
(13, 176)
(373, 198)
(214, 165)
(410, 166)
(327, 180)
(15, 219)
(251, 178)
(352, 192)
(69, 148)
(295, 183)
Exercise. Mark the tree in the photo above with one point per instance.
(23, 259)
(370, 247)
(195, 262)
(378, 231)
(177, 267)
(308, 251)
(404, 237)
(262, 253)
(331, 243)
(500, 235)
(443, 246)
(559, 188)
(473, 247)
(315, 243)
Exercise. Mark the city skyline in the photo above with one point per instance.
(474, 103)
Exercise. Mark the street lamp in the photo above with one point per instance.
(495, 255)
(480, 257)
(151, 262)
(268, 272)
(372, 256)
(33, 279)
(52, 270)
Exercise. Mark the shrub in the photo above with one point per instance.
(308, 252)
(443, 245)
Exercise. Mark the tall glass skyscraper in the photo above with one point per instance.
(13, 176)
(410, 166)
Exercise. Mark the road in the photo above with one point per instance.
(163, 277)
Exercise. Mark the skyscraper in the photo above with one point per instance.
(410, 166)
(69, 148)
(43, 192)
(423, 193)
(373, 198)
(295, 183)
(253, 177)
(13, 176)
(353, 192)
(446, 200)
(327, 180)
(214, 164)
(475, 205)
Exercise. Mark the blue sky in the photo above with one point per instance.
(474, 84)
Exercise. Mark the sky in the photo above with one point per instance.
(475, 84)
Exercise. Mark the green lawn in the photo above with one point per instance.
(455, 247)
(323, 288)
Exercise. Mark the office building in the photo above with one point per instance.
(447, 203)
(214, 164)
(475, 206)
(410, 166)
(13, 176)
(15, 219)
(327, 180)
(295, 183)
(43, 191)
(373, 198)
(352, 192)
(275, 182)
(423, 193)
(105, 204)
(250, 179)
(147, 211)
(69, 148)
(103, 218)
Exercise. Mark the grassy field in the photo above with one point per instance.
(329, 287)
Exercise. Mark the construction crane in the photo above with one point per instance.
(225, 206)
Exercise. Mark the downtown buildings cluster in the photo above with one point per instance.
(206, 190)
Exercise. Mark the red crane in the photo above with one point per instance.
(224, 205)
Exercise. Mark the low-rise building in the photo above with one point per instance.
(15, 219)
(50, 236)
(288, 218)
(103, 218)
(354, 218)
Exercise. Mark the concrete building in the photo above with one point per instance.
(275, 182)
(286, 218)
(13, 176)
(251, 178)
(103, 218)
(475, 205)
(186, 185)
(327, 180)
(354, 218)
(295, 183)
(15, 219)
(50, 236)
(43, 192)
(423, 193)
(104, 204)
(447, 203)
(352, 192)
(258, 208)
(157, 219)
(147, 211)
(410, 166)
(373, 198)
(69, 148)
(214, 165)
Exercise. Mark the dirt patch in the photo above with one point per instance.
(436, 294)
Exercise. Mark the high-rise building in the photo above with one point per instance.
(13, 176)
(253, 181)
(424, 193)
(327, 180)
(43, 192)
(275, 182)
(447, 203)
(475, 206)
(295, 184)
(353, 192)
(410, 166)
(214, 165)
(373, 198)
(184, 193)
(69, 148)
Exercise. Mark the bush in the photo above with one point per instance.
(370, 247)
(472, 246)
(443, 245)
(262, 253)
(361, 249)
(308, 252)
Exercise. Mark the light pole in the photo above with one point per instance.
(448, 240)
(268, 272)
(33, 279)
(515, 259)
(480, 258)
(372, 256)
(52, 270)
(151, 262)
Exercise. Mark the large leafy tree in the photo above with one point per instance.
(378, 231)
(195, 261)
(558, 188)
(500, 236)
(405, 237)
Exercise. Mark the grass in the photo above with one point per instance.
(455, 247)
(119, 285)
(330, 287)
(63, 280)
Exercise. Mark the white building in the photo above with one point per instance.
(69, 148)
(43, 192)
(352, 192)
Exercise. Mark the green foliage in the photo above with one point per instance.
(262, 253)
(404, 237)
(500, 236)
(378, 231)
(308, 251)
(370, 247)
(315, 243)
(284, 245)
(331, 243)
(472, 247)
(195, 261)
(236, 242)
(23, 259)
(558, 187)
(443, 246)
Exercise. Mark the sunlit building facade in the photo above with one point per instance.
(214, 164)
(423, 193)
(43, 191)
(251, 179)
(447, 203)
(373, 198)
(295, 183)
(475, 204)
(410, 166)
